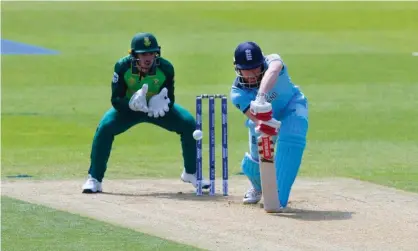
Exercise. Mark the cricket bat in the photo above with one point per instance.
(268, 174)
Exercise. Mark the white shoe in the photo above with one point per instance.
(252, 196)
(92, 186)
(192, 178)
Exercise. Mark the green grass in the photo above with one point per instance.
(47, 229)
(352, 60)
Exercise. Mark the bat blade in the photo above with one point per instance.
(268, 174)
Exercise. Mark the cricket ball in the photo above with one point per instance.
(197, 134)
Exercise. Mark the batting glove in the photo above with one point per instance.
(270, 127)
(261, 109)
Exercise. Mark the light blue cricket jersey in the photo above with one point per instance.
(279, 96)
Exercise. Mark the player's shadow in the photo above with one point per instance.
(315, 215)
(176, 196)
(289, 212)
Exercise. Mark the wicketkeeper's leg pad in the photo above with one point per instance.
(251, 169)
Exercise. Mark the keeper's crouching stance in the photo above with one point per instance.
(142, 92)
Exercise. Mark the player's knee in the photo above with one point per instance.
(184, 125)
(107, 123)
(188, 124)
(294, 139)
(106, 127)
(294, 130)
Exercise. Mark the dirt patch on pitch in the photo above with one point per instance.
(328, 214)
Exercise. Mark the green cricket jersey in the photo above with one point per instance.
(126, 81)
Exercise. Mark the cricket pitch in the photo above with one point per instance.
(323, 214)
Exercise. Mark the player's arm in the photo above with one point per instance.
(241, 101)
(119, 100)
(275, 65)
(169, 84)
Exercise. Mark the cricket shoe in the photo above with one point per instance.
(252, 196)
(192, 178)
(92, 185)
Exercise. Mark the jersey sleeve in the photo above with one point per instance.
(119, 100)
(240, 99)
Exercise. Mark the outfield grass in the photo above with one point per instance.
(47, 229)
(352, 60)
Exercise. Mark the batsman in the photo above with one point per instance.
(264, 92)
(142, 92)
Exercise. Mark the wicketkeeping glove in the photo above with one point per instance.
(158, 104)
(138, 101)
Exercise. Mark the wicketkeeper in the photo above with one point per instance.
(264, 92)
(142, 92)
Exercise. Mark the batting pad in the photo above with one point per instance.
(251, 169)
(290, 148)
(288, 160)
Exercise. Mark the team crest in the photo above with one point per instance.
(248, 55)
(156, 81)
(147, 42)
